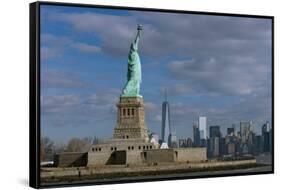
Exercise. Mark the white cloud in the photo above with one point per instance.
(241, 76)
(79, 110)
(59, 80)
(59, 104)
(55, 46)
(83, 47)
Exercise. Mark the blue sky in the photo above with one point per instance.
(213, 66)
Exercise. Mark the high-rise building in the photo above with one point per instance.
(231, 141)
(266, 141)
(214, 146)
(196, 136)
(215, 131)
(231, 149)
(245, 130)
(266, 137)
(166, 125)
(258, 144)
(231, 131)
(168, 134)
(270, 140)
(222, 146)
(265, 127)
(202, 127)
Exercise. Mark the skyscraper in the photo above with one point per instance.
(214, 146)
(265, 127)
(215, 131)
(166, 127)
(245, 129)
(202, 127)
(266, 137)
(258, 144)
(196, 136)
(168, 134)
(231, 131)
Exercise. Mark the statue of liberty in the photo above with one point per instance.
(132, 87)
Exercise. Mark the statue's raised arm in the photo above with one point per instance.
(136, 42)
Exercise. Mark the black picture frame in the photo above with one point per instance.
(34, 91)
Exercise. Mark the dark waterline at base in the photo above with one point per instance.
(222, 172)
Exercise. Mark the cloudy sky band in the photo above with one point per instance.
(214, 66)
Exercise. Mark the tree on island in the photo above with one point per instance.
(79, 144)
(47, 149)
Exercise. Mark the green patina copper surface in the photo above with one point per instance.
(132, 87)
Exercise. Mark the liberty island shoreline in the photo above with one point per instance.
(56, 176)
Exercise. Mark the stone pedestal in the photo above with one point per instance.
(130, 119)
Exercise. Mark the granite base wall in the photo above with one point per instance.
(134, 157)
(190, 154)
(175, 155)
(70, 159)
(159, 155)
(154, 156)
(99, 158)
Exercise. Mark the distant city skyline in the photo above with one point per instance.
(213, 66)
(244, 142)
